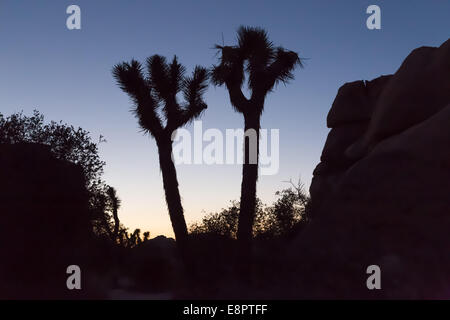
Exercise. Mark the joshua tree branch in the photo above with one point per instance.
(131, 80)
(148, 119)
(165, 79)
(281, 69)
(237, 98)
(191, 113)
(193, 88)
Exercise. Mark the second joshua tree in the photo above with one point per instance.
(158, 88)
(265, 66)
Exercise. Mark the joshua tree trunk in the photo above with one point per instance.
(248, 193)
(173, 198)
(116, 223)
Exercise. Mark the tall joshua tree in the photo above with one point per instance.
(154, 94)
(254, 58)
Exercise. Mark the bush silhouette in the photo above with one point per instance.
(284, 216)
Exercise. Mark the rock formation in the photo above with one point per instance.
(381, 194)
(45, 223)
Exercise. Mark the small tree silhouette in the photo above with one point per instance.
(158, 89)
(115, 205)
(265, 66)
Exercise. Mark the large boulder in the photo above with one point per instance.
(338, 140)
(389, 207)
(44, 222)
(419, 89)
(355, 102)
(350, 105)
(156, 265)
(349, 119)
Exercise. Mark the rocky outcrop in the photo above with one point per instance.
(363, 95)
(156, 265)
(44, 222)
(381, 192)
(418, 90)
(348, 119)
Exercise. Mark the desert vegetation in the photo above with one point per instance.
(90, 208)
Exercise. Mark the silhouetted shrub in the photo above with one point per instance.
(279, 219)
(65, 142)
(73, 145)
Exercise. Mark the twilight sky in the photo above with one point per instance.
(67, 76)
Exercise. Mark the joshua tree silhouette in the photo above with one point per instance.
(265, 66)
(158, 88)
(115, 205)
